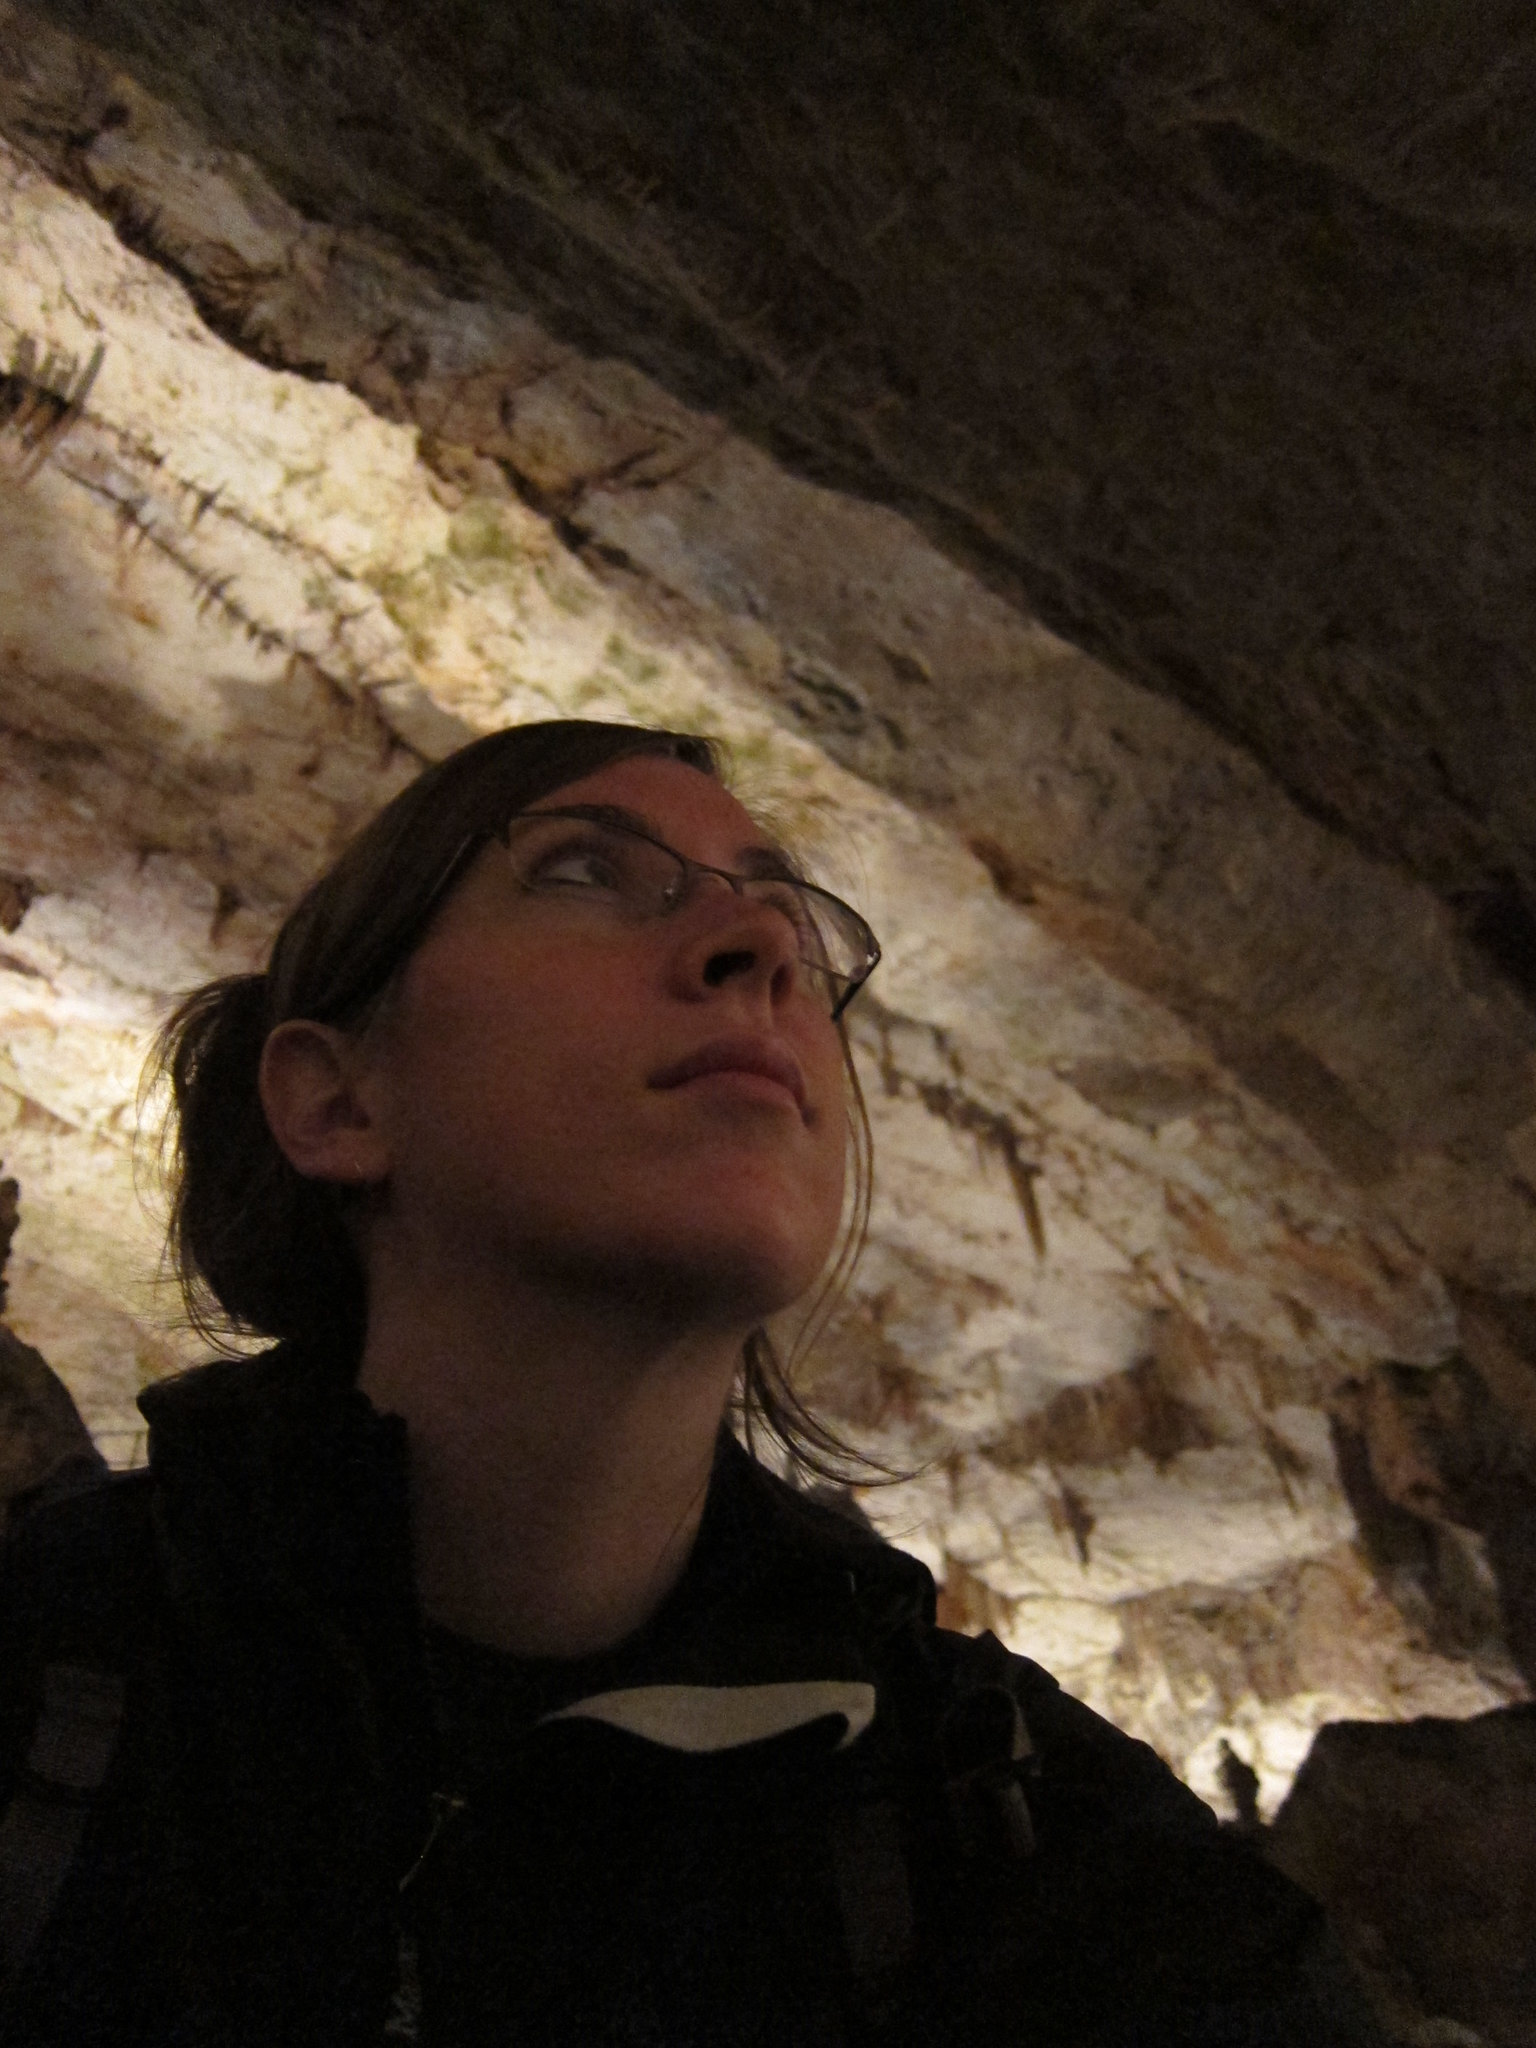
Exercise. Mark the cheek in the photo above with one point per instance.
(487, 1060)
(514, 1094)
(835, 1151)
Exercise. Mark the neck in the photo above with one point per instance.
(560, 1456)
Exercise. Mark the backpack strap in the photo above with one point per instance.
(74, 1596)
(963, 1746)
(987, 1754)
(73, 1743)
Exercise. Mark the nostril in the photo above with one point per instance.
(719, 968)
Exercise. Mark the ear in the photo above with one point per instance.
(316, 1109)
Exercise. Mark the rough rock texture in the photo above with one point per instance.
(1422, 1841)
(1440, 1469)
(1200, 1119)
(1205, 327)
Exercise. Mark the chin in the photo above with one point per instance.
(732, 1283)
(728, 1242)
(745, 1228)
(709, 1274)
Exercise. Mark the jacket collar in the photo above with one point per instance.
(280, 1478)
(287, 1488)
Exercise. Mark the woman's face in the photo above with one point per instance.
(530, 1081)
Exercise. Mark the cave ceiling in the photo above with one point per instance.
(1079, 457)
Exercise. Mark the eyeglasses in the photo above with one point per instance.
(583, 855)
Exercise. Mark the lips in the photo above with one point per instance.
(741, 1055)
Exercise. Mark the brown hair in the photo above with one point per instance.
(258, 1249)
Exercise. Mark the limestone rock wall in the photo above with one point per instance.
(1201, 325)
(1193, 1113)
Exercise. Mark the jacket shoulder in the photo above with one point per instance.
(77, 1577)
(1197, 1940)
(91, 1537)
(824, 1527)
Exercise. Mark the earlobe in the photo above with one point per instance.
(315, 1107)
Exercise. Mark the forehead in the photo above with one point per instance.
(679, 804)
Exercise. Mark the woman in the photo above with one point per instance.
(452, 1673)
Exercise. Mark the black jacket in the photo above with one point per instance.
(270, 1786)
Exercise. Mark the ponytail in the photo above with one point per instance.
(259, 1250)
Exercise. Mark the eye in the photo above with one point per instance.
(575, 865)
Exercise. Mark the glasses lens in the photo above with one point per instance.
(833, 939)
(583, 860)
(586, 861)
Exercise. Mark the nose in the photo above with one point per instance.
(734, 938)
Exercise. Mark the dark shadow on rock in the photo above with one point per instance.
(45, 1448)
(1419, 1837)
(1440, 1469)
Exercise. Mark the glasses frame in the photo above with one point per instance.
(597, 814)
(371, 976)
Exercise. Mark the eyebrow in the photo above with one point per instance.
(768, 863)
